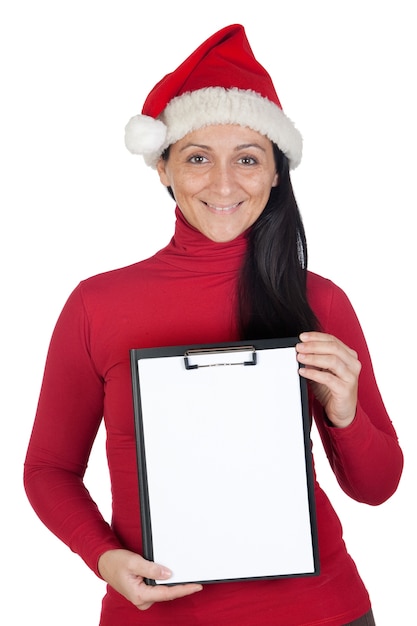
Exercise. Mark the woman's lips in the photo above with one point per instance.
(223, 209)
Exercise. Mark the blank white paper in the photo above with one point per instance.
(226, 467)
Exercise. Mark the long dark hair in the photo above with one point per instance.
(272, 296)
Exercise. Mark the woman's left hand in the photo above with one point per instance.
(333, 370)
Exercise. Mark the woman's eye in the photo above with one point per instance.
(247, 160)
(197, 158)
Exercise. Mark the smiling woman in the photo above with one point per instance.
(235, 269)
(221, 178)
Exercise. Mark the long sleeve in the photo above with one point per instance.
(365, 457)
(68, 416)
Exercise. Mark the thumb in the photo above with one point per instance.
(154, 571)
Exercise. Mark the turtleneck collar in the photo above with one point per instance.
(193, 251)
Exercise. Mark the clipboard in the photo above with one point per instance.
(224, 461)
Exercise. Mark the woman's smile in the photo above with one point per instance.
(225, 209)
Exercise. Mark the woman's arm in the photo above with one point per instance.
(68, 416)
(357, 433)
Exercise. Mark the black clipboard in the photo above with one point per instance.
(224, 461)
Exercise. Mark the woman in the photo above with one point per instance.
(235, 269)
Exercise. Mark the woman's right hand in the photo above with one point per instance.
(125, 572)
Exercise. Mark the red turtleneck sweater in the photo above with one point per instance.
(185, 295)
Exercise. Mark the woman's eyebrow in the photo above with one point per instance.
(195, 145)
(245, 146)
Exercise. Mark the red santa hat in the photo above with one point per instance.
(221, 82)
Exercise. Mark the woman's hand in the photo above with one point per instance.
(333, 370)
(125, 572)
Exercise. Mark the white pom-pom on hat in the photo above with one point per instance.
(145, 135)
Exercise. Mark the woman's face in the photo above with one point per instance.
(221, 177)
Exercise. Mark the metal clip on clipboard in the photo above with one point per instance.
(219, 357)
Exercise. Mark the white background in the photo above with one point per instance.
(74, 203)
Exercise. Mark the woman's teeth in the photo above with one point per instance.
(221, 208)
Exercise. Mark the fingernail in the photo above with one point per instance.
(164, 572)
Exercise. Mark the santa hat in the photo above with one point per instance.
(221, 82)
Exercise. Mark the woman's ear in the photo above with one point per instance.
(163, 176)
(275, 181)
(161, 169)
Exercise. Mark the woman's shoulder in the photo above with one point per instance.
(111, 289)
(320, 286)
(317, 284)
(329, 301)
(118, 278)
(323, 294)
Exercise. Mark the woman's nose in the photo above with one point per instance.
(222, 179)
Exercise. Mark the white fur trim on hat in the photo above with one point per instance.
(216, 105)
